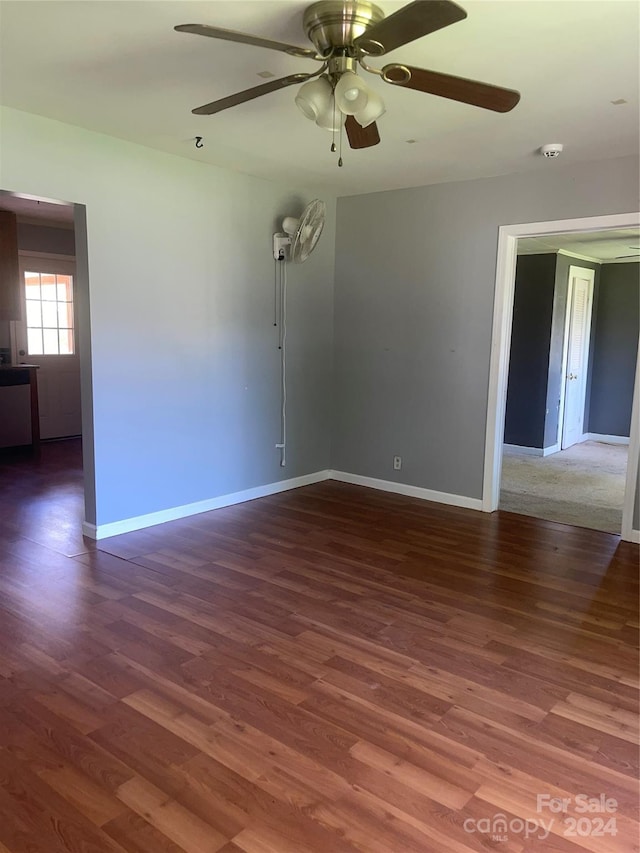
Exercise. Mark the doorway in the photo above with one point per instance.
(50, 331)
(575, 359)
(568, 399)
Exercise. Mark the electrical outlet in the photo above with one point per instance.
(397, 463)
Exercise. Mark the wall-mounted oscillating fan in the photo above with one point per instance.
(298, 239)
(300, 235)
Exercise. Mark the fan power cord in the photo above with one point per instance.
(282, 445)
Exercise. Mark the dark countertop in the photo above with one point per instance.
(15, 374)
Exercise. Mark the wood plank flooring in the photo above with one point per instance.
(331, 670)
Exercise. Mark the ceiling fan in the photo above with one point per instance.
(344, 34)
(624, 257)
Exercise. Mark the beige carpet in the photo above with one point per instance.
(583, 485)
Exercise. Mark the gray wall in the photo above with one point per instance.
(556, 376)
(533, 306)
(45, 238)
(615, 337)
(184, 363)
(415, 280)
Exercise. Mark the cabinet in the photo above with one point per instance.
(19, 413)
(10, 295)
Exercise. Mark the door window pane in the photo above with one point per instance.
(50, 315)
(34, 313)
(49, 289)
(50, 338)
(32, 285)
(66, 341)
(34, 341)
(64, 288)
(65, 315)
(49, 303)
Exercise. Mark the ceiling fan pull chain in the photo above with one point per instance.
(340, 153)
(333, 128)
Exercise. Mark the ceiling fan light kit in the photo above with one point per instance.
(371, 111)
(314, 98)
(345, 34)
(331, 118)
(351, 93)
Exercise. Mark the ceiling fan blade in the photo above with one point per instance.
(244, 38)
(250, 94)
(361, 137)
(473, 92)
(409, 23)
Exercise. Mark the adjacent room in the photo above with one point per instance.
(257, 592)
(574, 348)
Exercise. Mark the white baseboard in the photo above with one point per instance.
(127, 525)
(606, 439)
(405, 489)
(525, 451)
(89, 530)
(549, 451)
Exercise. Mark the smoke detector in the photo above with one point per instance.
(553, 149)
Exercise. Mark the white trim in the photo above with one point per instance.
(579, 257)
(406, 489)
(605, 439)
(90, 530)
(631, 485)
(533, 451)
(575, 272)
(127, 525)
(521, 450)
(528, 252)
(565, 358)
(499, 365)
(501, 340)
(634, 537)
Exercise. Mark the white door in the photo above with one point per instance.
(579, 305)
(47, 336)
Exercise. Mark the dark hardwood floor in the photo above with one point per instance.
(330, 669)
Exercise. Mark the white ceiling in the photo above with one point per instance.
(619, 246)
(120, 69)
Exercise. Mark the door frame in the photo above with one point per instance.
(591, 275)
(84, 347)
(508, 236)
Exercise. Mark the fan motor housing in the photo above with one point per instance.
(337, 23)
